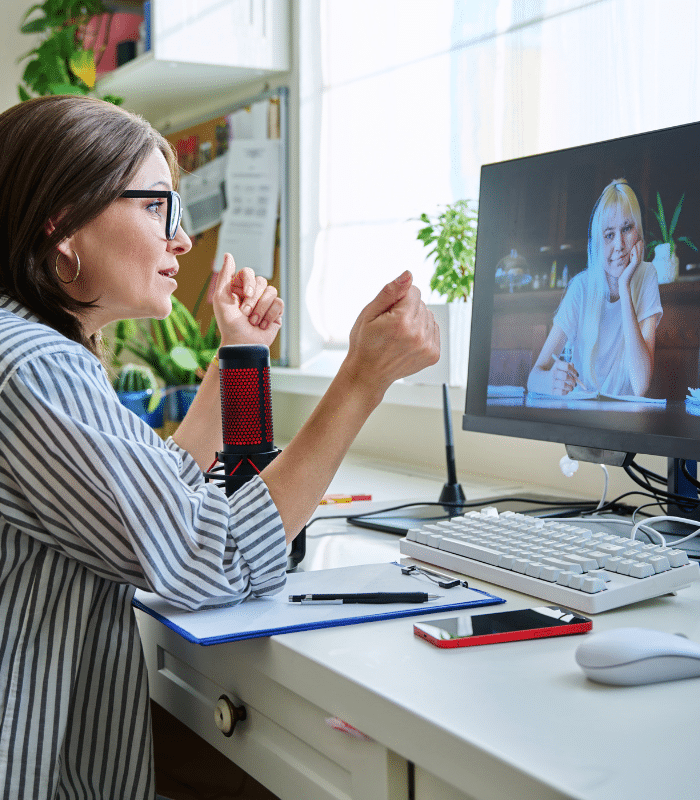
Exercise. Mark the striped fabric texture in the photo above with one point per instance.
(93, 504)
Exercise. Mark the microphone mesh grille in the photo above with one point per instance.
(247, 417)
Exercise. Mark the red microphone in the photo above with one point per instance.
(246, 399)
(246, 417)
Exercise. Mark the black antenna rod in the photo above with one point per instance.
(452, 491)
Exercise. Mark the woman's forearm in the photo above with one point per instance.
(200, 431)
(298, 478)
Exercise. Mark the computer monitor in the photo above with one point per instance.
(539, 239)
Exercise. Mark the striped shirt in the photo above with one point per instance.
(93, 504)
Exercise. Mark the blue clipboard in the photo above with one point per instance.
(272, 615)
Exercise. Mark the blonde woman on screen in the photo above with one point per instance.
(604, 332)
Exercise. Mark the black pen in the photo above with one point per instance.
(372, 597)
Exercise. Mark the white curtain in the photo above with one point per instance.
(413, 96)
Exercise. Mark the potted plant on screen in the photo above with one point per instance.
(451, 236)
(176, 349)
(663, 249)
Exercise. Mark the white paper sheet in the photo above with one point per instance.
(249, 223)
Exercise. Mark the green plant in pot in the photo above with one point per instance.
(663, 249)
(139, 391)
(175, 348)
(451, 236)
(63, 62)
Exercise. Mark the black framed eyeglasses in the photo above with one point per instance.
(174, 207)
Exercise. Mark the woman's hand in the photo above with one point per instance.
(247, 309)
(394, 336)
(635, 260)
(563, 375)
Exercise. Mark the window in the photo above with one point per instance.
(404, 100)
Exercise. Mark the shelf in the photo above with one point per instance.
(163, 91)
(201, 54)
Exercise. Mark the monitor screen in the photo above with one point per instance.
(585, 332)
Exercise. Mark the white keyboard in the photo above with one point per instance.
(576, 567)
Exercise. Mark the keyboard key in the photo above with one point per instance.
(549, 573)
(462, 548)
(562, 564)
(565, 577)
(660, 563)
(592, 585)
(677, 558)
(533, 569)
(584, 562)
(641, 570)
(576, 581)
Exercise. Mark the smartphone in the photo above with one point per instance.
(502, 626)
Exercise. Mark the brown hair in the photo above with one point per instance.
(63, 158)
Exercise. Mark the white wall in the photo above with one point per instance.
(13, 44)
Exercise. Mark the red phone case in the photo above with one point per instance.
(511, 636)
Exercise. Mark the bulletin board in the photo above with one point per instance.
(198, 145)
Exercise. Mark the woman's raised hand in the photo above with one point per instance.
(394, 336)
(636, 254)
(246, 307)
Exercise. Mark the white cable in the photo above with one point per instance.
(605, 487)
(645, 525)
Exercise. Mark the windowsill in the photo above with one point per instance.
(315, 376)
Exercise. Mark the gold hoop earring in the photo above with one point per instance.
(75, 277)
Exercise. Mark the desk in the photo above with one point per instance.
(516, 720)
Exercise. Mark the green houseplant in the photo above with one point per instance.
(138, 390)
(451, 236)
(663, 249)
(175, 348)
(64, 62)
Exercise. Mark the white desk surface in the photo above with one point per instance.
(515, 720)
(525, 704)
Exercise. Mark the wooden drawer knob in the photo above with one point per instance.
(226, 715)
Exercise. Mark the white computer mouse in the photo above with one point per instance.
(632, 656)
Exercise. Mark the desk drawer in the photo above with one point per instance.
(285, 742)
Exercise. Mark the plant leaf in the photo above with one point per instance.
(676, 214)
(82, 65)
(185, 358)
(65, 88)
(661, 218)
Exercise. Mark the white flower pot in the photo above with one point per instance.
(454, 320)
(666, 265)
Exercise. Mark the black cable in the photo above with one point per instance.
(548, 504)
(648, 473)
(647, 481)
(683, 502)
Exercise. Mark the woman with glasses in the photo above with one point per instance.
(92, 502)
